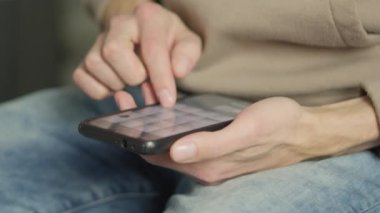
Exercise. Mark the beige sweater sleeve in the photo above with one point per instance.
(363, 15)
(357, 21)
(369, 14)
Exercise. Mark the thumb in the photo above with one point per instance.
(204, 145)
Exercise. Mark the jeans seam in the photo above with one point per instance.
(107, 199)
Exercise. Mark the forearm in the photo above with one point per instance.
(344, 127)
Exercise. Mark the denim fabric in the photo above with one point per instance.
(343, 184)
(46, 166)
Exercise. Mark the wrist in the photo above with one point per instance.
(340, 128)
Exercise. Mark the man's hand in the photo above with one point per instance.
(273, 133)
(150, 47)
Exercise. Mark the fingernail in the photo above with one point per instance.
(183, 66)
(184, 152)
(166, 99)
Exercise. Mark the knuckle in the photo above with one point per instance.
(112, 50)
(93, 61)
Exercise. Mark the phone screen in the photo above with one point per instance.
(152, 129)
(156, 122)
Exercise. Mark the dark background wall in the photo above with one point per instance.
(28, 46)
(41, 42)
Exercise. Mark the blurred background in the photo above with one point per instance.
(41, 42)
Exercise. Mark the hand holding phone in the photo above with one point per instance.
(152, 129)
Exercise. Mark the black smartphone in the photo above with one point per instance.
(152, 129)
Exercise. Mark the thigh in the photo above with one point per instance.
(46, 166)
(342, 184)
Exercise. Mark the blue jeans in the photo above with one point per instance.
(46, 166)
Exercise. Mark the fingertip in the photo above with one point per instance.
(167, 98)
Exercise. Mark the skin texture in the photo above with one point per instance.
(151, 47)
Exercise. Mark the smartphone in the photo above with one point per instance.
(152, 129)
